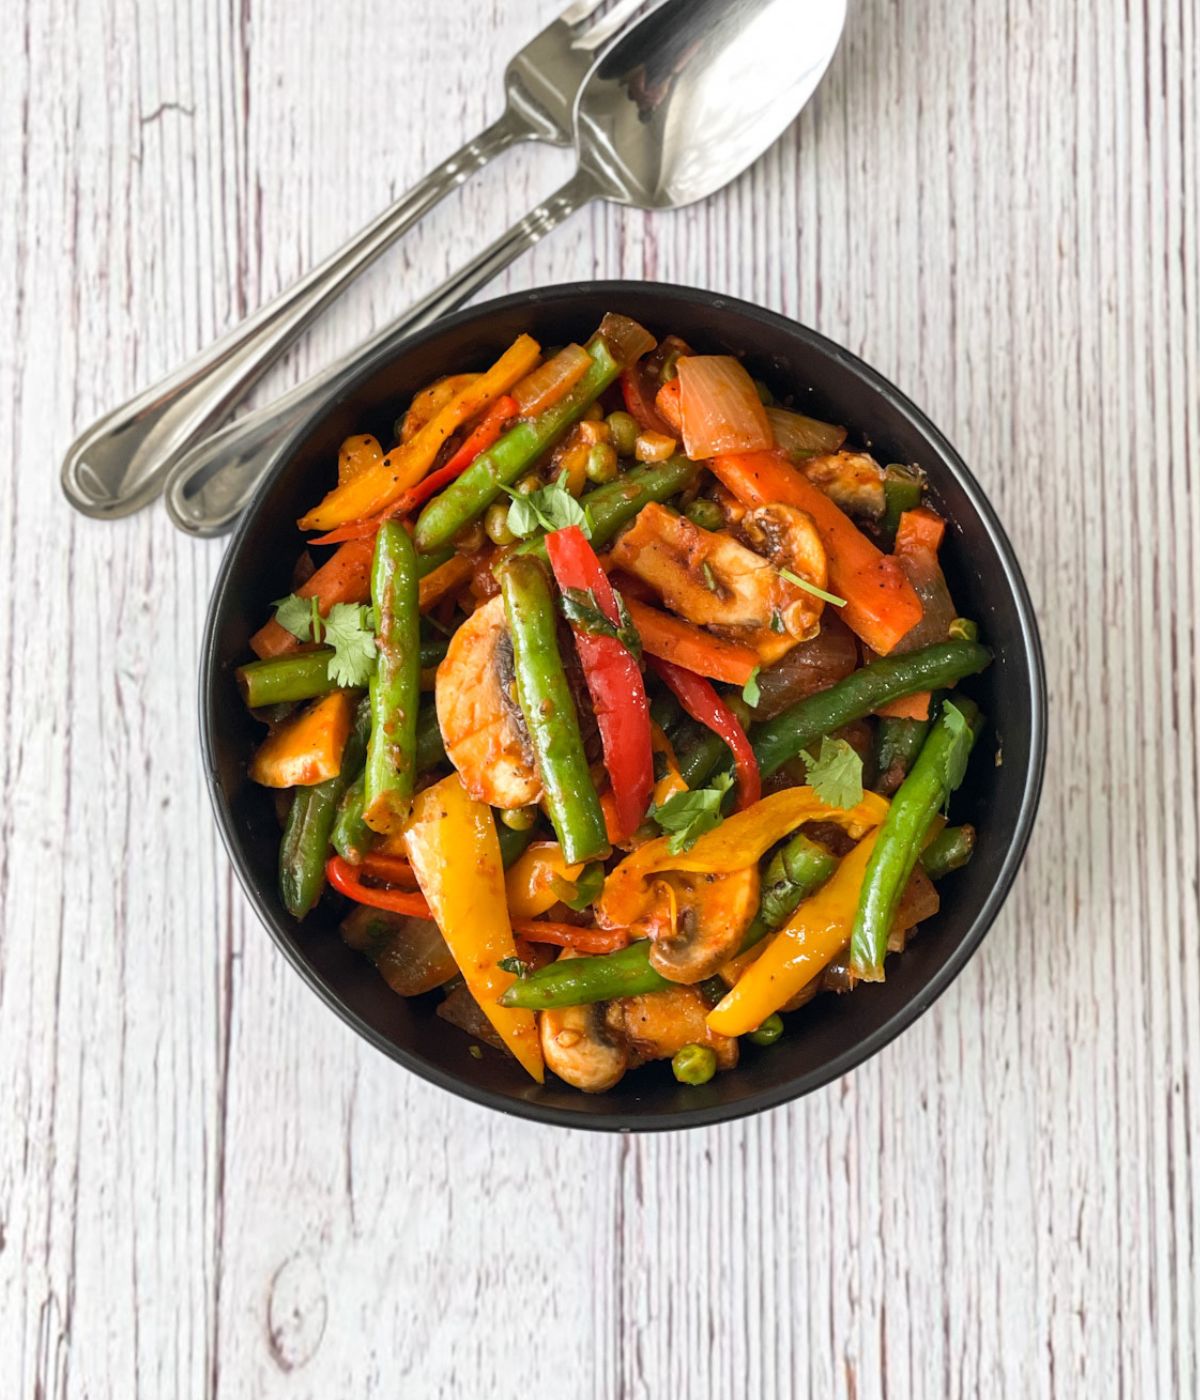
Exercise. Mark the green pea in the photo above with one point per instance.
(519, 818)
(601, 463)
(705, 513)
(962, 629)
(769, 1032)
(495, 523)
(694, 1064)
(624, 429)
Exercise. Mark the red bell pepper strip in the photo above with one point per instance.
(705, 706)
(347, 879)
(613, 678)
(640, 403)
(486, 431)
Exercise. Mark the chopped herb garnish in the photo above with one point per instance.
(548, 508)
(836, 773)
(517, 966)
(709, 581)
(776, 620)
(812, 588)
(750, 691)
(295, 615)
(580, 608)
(688, 815)
(348, 631)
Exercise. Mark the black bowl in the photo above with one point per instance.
(832, 1034)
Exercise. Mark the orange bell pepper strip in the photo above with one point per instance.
(671, 639)
(372, 491)
(455, 855)
(307, 749)
(344, 578)
(485, 432)
(881, 604)
(810, 940)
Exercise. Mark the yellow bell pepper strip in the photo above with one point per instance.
(529, 881)
(373, 490)
(308, 748)
(455, 855)
(672, 781)
(810, 940)
(739, 842)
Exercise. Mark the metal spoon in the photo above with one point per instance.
(689, 98)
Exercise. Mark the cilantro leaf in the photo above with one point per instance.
(812, 588)
(517, 966)
(294, 614)
(836, 774)
(548, 508)
(750, 691)
(959, 751)
(688, 815)
(776, 620)
(580, 608)
(348, 631)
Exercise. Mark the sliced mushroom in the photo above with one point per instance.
(660, 1023)
(481, 722)
(698, 920)
(581, 1047)
(732, 585)
(853, 480)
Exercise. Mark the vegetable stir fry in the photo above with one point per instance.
(621, 714)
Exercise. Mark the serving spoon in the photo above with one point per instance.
(685, 102)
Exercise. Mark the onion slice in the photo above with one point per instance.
(720, 408)
(551, 380)
(627, 340)
(801, 437)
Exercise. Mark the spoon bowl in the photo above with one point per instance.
(695, 93)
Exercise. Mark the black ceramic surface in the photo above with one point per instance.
(832, 1034)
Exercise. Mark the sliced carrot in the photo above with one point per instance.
(669, 403)
(910, 707)
(920, 531)
(345, 578)
(671, 639)
(443, 581)
(881, 604)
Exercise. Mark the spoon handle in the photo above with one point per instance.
(211, 484)
(120, 462)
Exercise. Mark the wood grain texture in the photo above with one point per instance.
(208, 1186)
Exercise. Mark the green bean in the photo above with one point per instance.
(310, 823)
(902, 487)
(897, 744)
(889, 678)
(512, 454)
(793, 873)
(352, 837)
(935, 775)
(279, 679)
(609, 507)
(950, 850)
(396, 682)
(702, 759)
(430, 749)
(432, 652)
(666, 712)
(545, 699)
(426, 563)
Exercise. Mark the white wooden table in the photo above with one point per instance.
(208, 1185)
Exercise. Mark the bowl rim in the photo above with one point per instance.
(968, 943)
